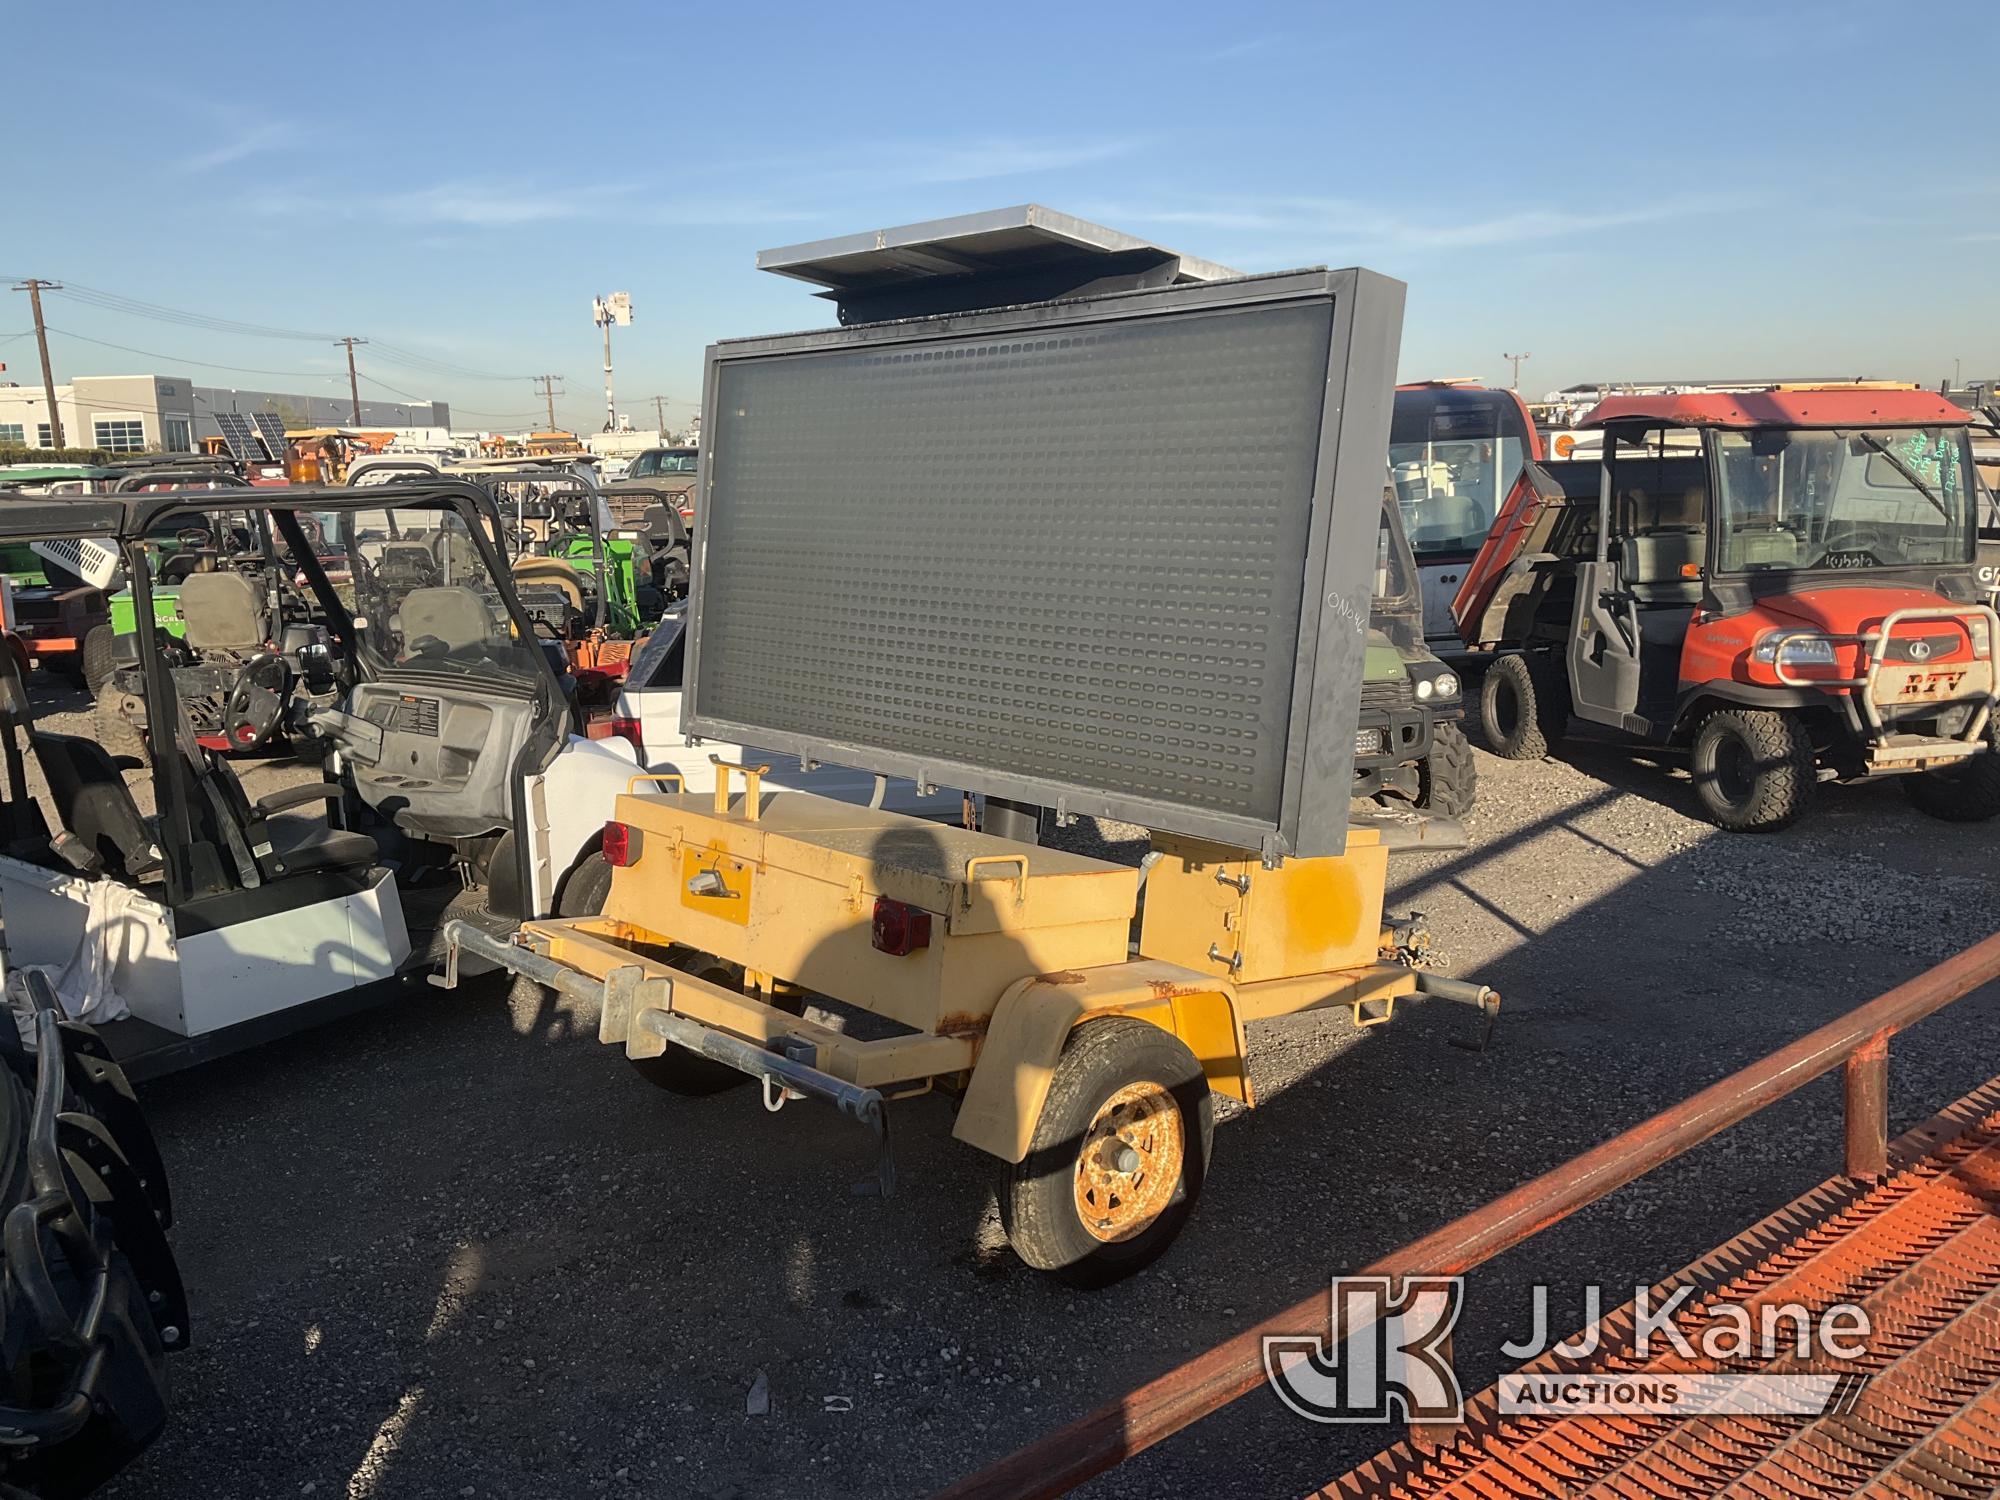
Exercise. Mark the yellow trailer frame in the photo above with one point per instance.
(1021, 946)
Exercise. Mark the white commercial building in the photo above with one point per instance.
(171, 414)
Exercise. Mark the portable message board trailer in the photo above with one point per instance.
(1110, 554)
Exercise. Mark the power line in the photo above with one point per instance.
(506, 416)
(135, 307)
(176, 359)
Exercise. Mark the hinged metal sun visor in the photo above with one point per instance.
(1111, 555)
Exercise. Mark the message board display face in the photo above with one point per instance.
(1082, 553)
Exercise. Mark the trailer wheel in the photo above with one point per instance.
(1524, 706)
(121, 724)
(1754, 769)
(1968, 792)
(588, 884)
(1118, 1156)
(1448, 778)
(99, 661)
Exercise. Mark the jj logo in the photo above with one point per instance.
(1387, 1349)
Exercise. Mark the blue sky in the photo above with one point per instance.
(1622, 191)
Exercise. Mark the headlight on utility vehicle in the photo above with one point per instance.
(1982, 636)
(1439, 685)
(1800, 650)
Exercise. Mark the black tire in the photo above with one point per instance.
(1039, 1196)
(584, 892)
(99, 657)
(1524, 706)
(1754, 769)
(1968, 792)
(118, 731)
(1448, 778)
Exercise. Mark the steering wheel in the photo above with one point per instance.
(255, 706)
(194, 536)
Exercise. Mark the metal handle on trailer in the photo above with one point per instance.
(973, 865)
(662, 777)
(753, 779)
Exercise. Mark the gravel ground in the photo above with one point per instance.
(455, 1247)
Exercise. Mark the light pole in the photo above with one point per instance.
(604, 311)
(1515, 361)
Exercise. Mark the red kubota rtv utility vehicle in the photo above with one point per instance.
(1799, 597)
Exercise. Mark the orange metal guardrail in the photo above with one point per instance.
(1857, 1042)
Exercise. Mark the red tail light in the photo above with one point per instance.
(899, 928)
(621, 845)
(628, 730)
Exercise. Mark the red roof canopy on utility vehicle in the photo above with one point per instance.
(1782, 406)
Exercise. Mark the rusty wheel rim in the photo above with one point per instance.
(1130, 1164)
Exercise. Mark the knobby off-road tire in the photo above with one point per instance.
(1118, 1156)
(1968, 792)
(99, 657)
(1448, 778)
(1524, 705)
(1754, 770)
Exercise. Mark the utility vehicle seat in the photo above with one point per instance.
(551, 573)
(85, 784)
(258, 844)
(224, 611)
(1655, 566)
(450, 613)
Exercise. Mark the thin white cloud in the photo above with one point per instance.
(1251, 46)
(1351, 226)
(923, 163)
(490, 203)
(268, 136)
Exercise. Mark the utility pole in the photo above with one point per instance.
(1515, 361)
(34, 287)
(549, 394)
(353, 380)
(604, 311)
(660, 410)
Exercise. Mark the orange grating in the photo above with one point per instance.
(1919, 1250)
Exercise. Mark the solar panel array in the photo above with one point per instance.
(272, 429)
(238, 434)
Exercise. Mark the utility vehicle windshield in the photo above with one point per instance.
(1881, 498)
(1453, 453)
(427, 597)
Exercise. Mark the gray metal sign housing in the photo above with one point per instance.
(1111, 555)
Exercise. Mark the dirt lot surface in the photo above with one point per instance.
(454, 1247)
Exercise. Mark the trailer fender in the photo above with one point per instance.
(1035, 1016)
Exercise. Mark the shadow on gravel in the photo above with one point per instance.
(454, 1246)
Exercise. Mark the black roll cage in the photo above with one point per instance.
(125, 521)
